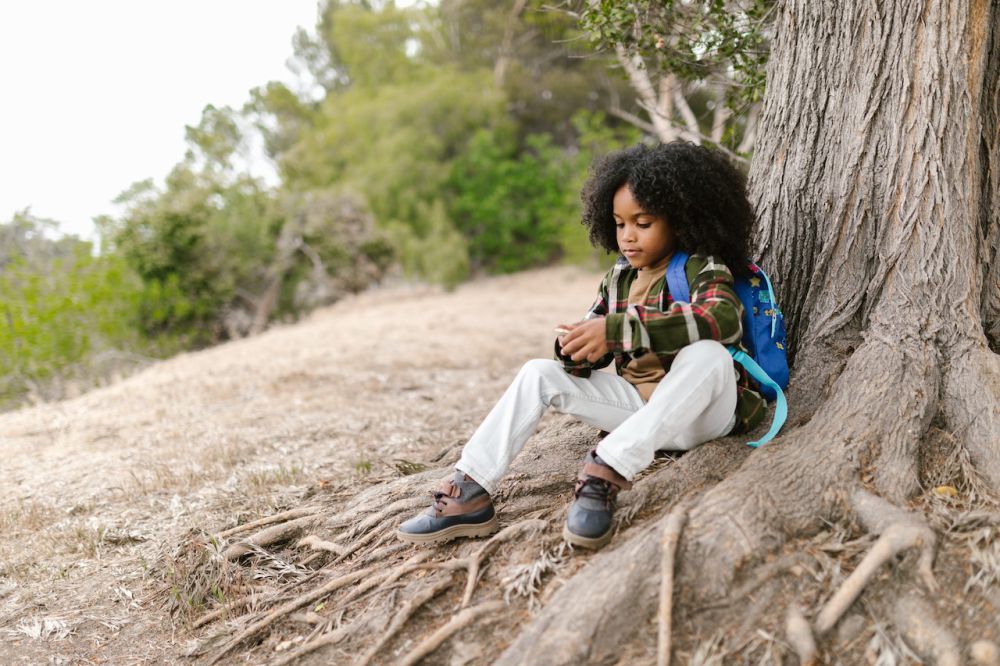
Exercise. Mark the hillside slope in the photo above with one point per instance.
(98, 489)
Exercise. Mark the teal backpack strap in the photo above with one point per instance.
(774, 301)
(780, 408)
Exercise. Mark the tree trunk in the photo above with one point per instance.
(875, 181)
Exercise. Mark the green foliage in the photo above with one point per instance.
(695, 40)
(510, 204)
(439, 254)
(59, 307)
(446, 138)
(194, 245)
(392, 146)
(597, 137)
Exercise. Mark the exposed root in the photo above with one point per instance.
(266, 537)
(401, 617)
(383, 553)
(387, 578)
(800, 636)
(474, 562)
(900, 530)
(313, 542)
(971, 402)
(382, 581)
(460, 621)
(392, 509)
(224, 611)
(284, 516)
(322, 640)
(668, 544)
(288, 608)
(380, 534)
(930, 638)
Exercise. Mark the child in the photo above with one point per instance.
(676, 384)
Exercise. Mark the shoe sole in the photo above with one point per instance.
(455, 531)
(587, 542)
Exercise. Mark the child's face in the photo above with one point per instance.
(643, 238)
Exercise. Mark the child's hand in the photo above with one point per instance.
(585, 340)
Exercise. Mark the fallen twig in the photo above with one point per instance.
(668, 543)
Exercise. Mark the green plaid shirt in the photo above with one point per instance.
(663, 326)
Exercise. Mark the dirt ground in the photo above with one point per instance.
(97, 489)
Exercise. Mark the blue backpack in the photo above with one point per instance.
(763, 334)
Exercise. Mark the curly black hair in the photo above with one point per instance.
(700, 194)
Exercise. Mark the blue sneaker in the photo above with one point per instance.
(461, 508)
(589, 522)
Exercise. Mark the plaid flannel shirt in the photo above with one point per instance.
(663, 326)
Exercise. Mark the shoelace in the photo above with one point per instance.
(439, 500)
(594, 488)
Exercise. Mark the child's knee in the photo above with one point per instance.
(705, 353)
(541, 367)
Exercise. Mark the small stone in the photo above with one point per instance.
(985, 653)
(850, 627)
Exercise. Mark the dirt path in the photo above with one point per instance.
(96, 488)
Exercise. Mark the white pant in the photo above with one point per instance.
(694, 403)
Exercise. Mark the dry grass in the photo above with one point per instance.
(96, 485)
(30, 515)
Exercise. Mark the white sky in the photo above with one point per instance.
(96, 94)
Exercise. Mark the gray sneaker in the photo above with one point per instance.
(461, 508)
(589, 521)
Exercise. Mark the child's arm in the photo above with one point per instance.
(583, 367)
(714, 313)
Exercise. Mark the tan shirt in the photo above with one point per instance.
(646, 371)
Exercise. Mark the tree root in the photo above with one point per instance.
(266, 537)
(386, 579)
(900, 530)
(668, 543)
(389, 511)
(364, 541)
(924, 633)
(971, 402)
(335, 636)
(460, 621)
(313, 542)
(800, 636)
(289, 607)
(324, 639)
(284, 516)
(401, 617)
(474, 562)
(383, 553)
(224, 611)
